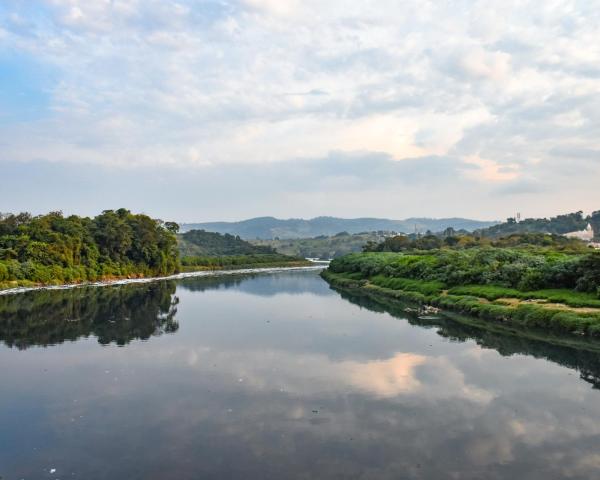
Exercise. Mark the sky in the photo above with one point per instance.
(201, 110)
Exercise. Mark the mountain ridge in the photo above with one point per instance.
(268, 227)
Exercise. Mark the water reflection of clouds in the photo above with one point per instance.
(385, 378)
(324, 389)
(403, 374)
(397, 408)
(313, 374)
(374, 401)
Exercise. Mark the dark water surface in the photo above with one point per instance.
(279, 377)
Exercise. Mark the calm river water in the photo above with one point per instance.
(277, 376)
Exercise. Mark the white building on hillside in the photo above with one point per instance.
(586, 235)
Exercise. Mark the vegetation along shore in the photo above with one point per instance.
(556, 286)
(53, 249)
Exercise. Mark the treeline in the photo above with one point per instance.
(53, 249)
(559, 225)
(548, 232)
(451, 239)
(203, 243)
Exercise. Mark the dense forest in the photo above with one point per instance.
(536, 286)
(560, 225)
(54, 249)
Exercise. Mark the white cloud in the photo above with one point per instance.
(256, 81)
(492, 65)
(277, 7)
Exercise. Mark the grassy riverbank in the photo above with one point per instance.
(228, 262)
(488, 283)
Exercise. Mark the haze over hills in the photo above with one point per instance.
(270, 227)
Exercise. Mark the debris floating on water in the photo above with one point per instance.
(423, 310)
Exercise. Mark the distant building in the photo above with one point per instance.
(586, 235)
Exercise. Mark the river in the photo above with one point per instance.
(277, 376)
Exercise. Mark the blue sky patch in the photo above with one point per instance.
(25, 88)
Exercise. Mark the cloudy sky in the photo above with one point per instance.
(207, 109)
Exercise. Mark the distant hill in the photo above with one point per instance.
(202, 243)
(270, 227)
(559, 225)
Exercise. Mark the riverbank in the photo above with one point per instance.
(177, 276)
(544, 310)
(237, 266)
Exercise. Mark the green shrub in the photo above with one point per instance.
(3, 272)
(489, 273)
(395, 283)
(516, 268)
(489, 292)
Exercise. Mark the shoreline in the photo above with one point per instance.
(400, 308)
(565, 321)
(176, 276)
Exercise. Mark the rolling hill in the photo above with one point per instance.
(202, 243)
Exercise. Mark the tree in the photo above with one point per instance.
(172, 227)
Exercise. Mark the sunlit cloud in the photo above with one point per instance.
(492, 171)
